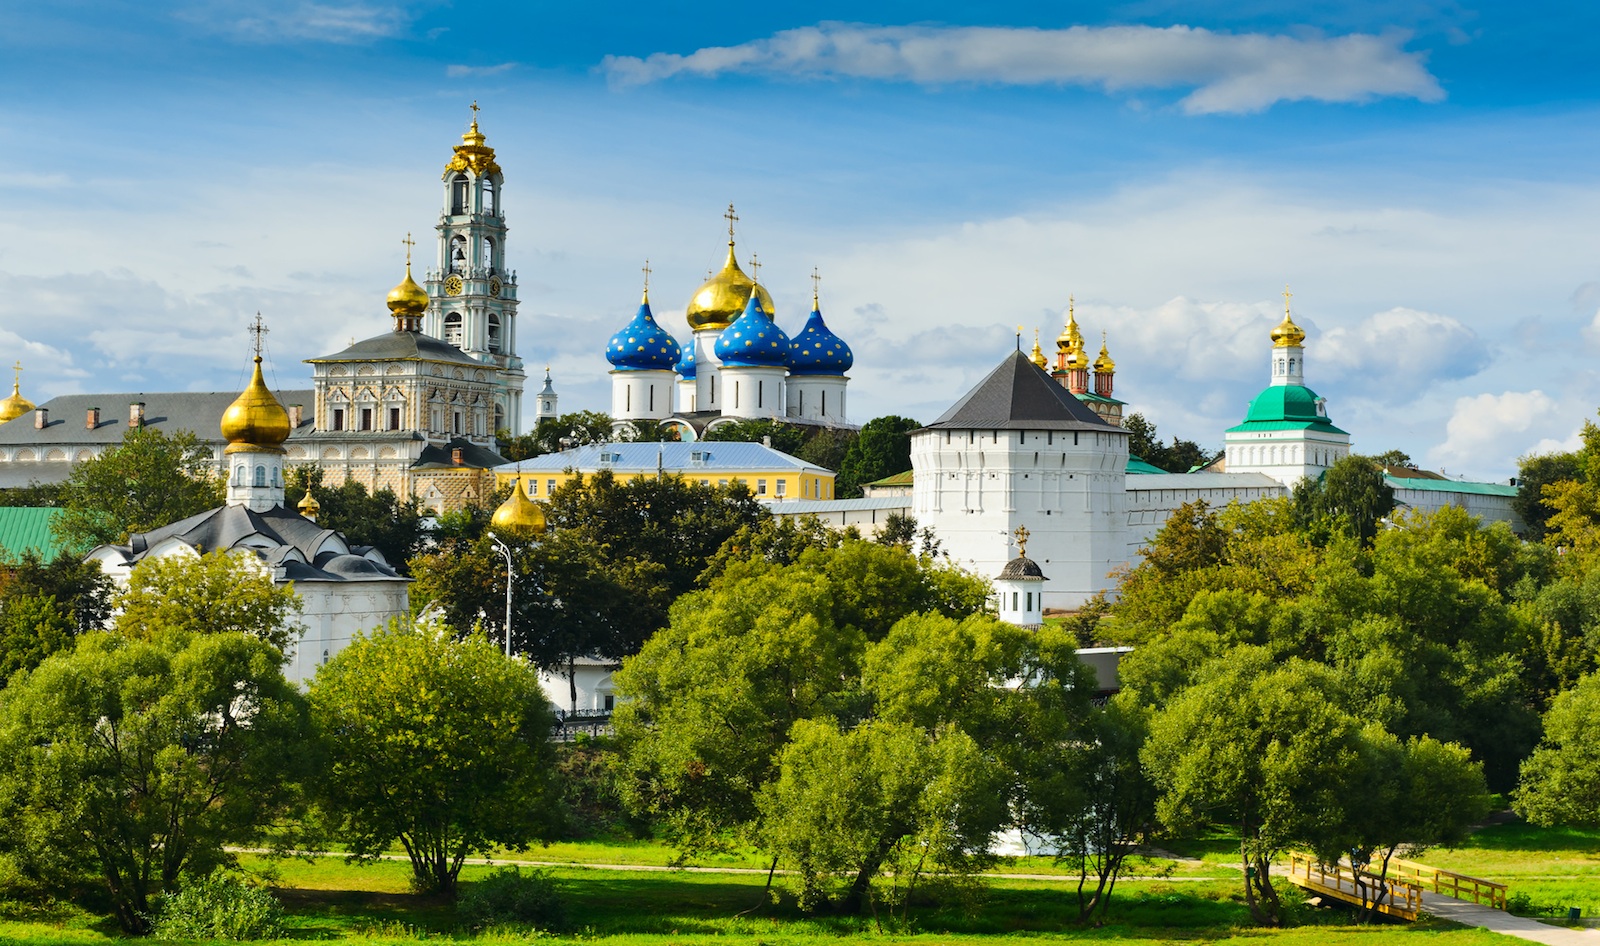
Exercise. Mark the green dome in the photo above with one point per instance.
(1285, 406)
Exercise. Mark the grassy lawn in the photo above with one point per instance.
(1555, 868)
(328, 899)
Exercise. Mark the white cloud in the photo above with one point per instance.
(1486, 429)
(1228, 72)
(1407, 348)
(467, 72)
(342, 23)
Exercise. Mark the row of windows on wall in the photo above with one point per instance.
(364, 419)
(461, 196)
(242, 477)
(780, 486)
(456, 335)
(1014, 601)
(458, 255)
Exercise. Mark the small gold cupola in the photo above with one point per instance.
(719, 303)
(1038, 355)
(16, 405)
(1104, 364)
(518, 515)
(407, 301)
(1287, 334)
(255, 421)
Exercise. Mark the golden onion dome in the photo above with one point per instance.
(16, 405)
(407, 299)
(1104, 364)
(1288, 334)
(1038, 356)
(309, 507)
(518, 515)
(255, 420)
(719, 303)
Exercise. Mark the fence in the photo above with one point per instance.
(1450, 883)
(1399, 898)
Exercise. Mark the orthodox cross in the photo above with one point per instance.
(1286, 295)
(474, 107)
(1022, 541)
(16, 373)
(755, 268)
(259, 329)
(732, 218)
(646, 272)
(816, 282)
(409, 244)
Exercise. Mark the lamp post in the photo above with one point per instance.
(505, 551)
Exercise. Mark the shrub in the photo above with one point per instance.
(510, 896)
(221, 906)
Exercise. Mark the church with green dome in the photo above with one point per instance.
(1286, 432)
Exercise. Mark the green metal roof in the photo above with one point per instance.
(1089, 397)
(28, 528)
(1450, 486)
(1137, 465)
(897, 479)
(1286, 407)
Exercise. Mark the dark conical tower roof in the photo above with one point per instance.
(1019, 395)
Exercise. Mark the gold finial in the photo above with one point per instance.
(1022, 534)
(646, 271)
(755, 268)
(732, 218)
(16, 375)
(409, 243)
(816, 285)
(1038, 355)
(1286, 295)
(474, 107)
(259, 329)
(1287, 334)
(1072, 303)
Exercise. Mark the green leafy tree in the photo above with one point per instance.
(148, 481)
(1180, 456)
(1265, 747)
(827, 447)
(788, 438)
(1561, 779)
(1393, 460)
(1351, 492)
(554, 434)
(380, 519)
(33, 495)
(883, 448)
(440, 745)
(138, 760)
(1533, 475)
(221, 592)
(45, 606)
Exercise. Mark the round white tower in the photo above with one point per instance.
(642, 356)
(1019, 588)
(818, 360)
(754, 353)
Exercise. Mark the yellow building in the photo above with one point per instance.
(770, 474)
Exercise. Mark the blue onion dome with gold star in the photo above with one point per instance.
(753, 340)
(816, 350)
(642, 345)
(686, 364)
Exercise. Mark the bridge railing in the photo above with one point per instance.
(1399, 897)
(1450, 883)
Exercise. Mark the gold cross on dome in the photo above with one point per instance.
(259, 329)
(409, 244)
(1286, 295)
(816, 285)
(732, 218)
(474, 107)
(16, 373)
(646, 271)
(1022, 534)
(755, 268)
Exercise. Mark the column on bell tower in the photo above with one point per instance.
(472, 294)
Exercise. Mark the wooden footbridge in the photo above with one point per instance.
(1400, 893)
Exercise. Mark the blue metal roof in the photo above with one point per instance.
(685, 458)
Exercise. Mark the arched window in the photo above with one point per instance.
(494, 332)
(499, 418)
(238, 476)
(452, 329)
(489, 205)
(459, 201)
(458, 254)
(488, 255)
(261, 476)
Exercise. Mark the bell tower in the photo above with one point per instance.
(472, 296)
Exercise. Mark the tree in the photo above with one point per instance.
(1417, 793)
(1533, 475)
(143, 758)
(44, 607)
(1393, 459)
(221, 592)
(1352, 491)
(882, 449)
(1266, 747)
(1143, 442)
(148, 481)
(439, 744)
(554, 434)
(788, 438)
(380, 519)
(1561, 779)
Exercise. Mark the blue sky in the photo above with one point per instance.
(1422, 175)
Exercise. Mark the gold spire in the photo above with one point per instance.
(16, 405)
(472, 154)
(816, 288)
(1022, 534)
(407, 301)
(1287, 334)
(718, 303)
(646, 299)
(1038, 356)
(518, 515)
(309, 507)
(255, 421)
(1104, 364)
